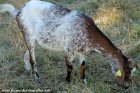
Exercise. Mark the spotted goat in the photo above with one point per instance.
(61, 29)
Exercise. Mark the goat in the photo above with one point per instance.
(60, 29)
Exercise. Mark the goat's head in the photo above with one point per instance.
(123, 76)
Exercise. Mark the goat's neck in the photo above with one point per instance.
(117, 59)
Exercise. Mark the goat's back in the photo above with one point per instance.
(54, 26)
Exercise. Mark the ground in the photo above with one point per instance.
(118, 19)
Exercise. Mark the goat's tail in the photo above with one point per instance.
(8, 8)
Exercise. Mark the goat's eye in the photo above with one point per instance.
(131, 68)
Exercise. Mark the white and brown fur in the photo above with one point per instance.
(60, 29)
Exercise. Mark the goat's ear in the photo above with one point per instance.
(119, 77)
(132, 64)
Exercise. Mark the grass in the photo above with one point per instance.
(114, 17)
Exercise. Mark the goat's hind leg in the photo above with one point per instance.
(29, 59)
(68, 61)
(27, 64)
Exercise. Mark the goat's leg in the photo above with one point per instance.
(68, 60)
(29, 58)
(82, 66)
(27, 64)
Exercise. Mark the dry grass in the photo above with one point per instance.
(114, 17)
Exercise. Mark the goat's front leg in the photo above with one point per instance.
(82, 67)
(82, 72)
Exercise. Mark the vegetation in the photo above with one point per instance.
(118, 19)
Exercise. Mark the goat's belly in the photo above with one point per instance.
(55, 46)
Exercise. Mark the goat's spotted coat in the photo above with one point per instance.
(60, 29)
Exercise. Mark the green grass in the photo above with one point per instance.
(119, 14)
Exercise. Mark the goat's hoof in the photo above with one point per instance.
(27, 69)
(39, 81)
(68, 80)
(28, 73)
(84, 81)
(37, 77)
